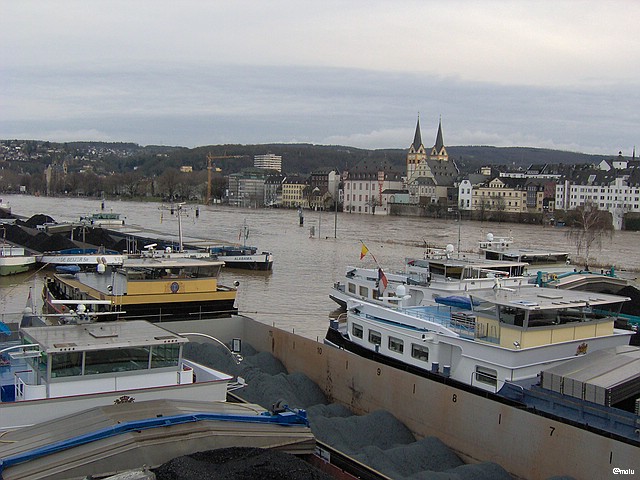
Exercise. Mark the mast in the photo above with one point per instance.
(177, 209)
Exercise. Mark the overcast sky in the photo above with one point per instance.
(553, 74)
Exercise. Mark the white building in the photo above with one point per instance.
(268, 162)
(617, 194)
(364, 187)
(465, 195)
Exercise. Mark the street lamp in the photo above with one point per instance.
(316, 192)
(335, 219)
(457, 210)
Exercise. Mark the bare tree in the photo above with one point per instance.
(168, 183)
(498, 203)
(130, 183)
(589, 226)
(9, 181)
(483, 207)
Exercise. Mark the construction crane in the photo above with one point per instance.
(210, 159)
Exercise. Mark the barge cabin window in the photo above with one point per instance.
(357, 330)
(420, 352)
(396, 345)
(486, 375)
(375, 337)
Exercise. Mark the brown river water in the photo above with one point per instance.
(295, 295)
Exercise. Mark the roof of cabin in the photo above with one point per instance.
(100, 336)
(544, 298)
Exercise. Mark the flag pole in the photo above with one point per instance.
(363, 252)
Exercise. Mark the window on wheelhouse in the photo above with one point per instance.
(484, 308)
(357, 330)
(66, 364)
(420, 352)
(352, 288)
(363, 291)
(207, 271)
(116, 360)
(375, 337)
(486, 375)
(396, 345)
(454, 272)
(165, 355)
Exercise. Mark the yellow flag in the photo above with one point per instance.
(364, 251)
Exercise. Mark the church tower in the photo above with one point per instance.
(439, 152)
(417, 152)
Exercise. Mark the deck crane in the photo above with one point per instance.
(210, 159)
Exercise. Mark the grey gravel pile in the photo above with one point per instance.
(354, 433)
(377, 439)
(267, 380)
(427, 458)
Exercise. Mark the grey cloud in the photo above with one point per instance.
(184, 105)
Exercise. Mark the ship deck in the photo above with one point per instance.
(60, 447)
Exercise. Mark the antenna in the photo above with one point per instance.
(178, 209)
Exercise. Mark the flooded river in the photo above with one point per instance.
(295, 296)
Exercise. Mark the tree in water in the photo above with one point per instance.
(589, 226)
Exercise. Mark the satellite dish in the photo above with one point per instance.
(101, 268)
(490, 237)
(450, 248)
(401, 290)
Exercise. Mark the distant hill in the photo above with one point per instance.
(301, 158)
(304, 158)
(470, 158)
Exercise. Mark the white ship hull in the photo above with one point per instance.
(465, 360)
(81, 259)
(263, 261)
(14, 260)
(13, 265)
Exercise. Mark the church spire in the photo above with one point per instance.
(439, 152)
(417, 138)
(439, 142)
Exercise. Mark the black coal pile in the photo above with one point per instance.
(239, 464)
(44, 242)
(632, 307)
(25, 233)
(35, 220)
(37, 240)
(377, 439)
(98, 237)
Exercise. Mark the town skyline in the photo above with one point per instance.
(561, 76)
